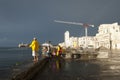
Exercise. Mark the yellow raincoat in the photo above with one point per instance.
(35, 45)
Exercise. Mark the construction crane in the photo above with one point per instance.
(81, 24)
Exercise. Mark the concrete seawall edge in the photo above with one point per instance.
(31, 72)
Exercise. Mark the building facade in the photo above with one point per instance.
(89, 40)
(108, 36)
(67, 39)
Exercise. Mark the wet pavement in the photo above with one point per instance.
(76, 69)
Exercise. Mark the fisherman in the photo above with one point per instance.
(35, 49)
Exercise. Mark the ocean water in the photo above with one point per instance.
(11, 57)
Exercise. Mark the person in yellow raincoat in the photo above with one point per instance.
(59, 50)
(35, 49)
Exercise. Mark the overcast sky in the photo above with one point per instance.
(21, 20)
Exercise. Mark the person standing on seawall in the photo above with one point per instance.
(59, 50)
(35, 49)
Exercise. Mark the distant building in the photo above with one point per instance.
(67, 39)
(108, 36)
(22, 45)
(90, 42)
(76, 42)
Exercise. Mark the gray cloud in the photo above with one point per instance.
(21, 20)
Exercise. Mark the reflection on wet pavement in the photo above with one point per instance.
(60, 69)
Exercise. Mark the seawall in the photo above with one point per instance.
(31, 71)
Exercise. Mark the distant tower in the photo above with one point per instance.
(67, 39)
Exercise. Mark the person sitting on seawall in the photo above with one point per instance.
(54, 51)
(45, 51)
(35, 49)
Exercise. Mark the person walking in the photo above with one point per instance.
(35, 49)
